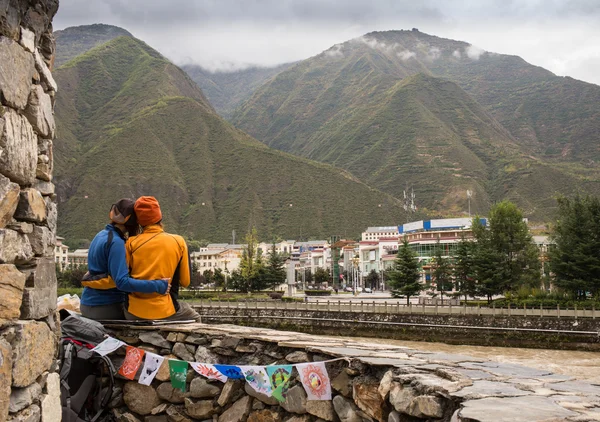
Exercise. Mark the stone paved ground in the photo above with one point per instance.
(489, 391)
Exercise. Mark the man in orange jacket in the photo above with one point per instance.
(156, 252)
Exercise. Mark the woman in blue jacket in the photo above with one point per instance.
(107, 281)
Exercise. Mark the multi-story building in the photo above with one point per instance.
(77, 258)
(61, 253)
(376, 233)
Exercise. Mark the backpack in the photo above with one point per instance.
(84, 398)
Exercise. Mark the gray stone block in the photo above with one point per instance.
(38, 302)
(41, 273)
(16, 72)
(42, 240)
(14, 248)
(32, 206)
(18, 148)
(39, 112)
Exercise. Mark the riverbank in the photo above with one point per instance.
(485, 330)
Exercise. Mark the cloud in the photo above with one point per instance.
(230, 33)
(457, 54)
(434, 53)
(474, 52)
(335, 52)
(407, 54)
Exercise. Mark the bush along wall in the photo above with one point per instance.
(29, 384)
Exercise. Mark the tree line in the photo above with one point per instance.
(502, 257)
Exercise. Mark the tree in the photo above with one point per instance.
(208, 277)
(275, 274)
(575, 255)
(506, 247)
(195, 277)
(219, 279)
(464, 268)
(372, 279)
(72, 276)
(322, 275)
(442, 270)
(404, 279)
(251, 264)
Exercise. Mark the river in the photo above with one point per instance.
(583, 366)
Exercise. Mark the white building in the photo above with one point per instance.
(61, 253)
(376, 233)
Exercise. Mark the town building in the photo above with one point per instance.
(376, 233)
(61, 253)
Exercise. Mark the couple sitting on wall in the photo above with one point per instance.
(133, 275)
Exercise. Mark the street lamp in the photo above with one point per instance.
(355, 262)
(225, 273)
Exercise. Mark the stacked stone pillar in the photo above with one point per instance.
(29, 384)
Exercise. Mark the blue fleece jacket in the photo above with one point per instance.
(111, 261)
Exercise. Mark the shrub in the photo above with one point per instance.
(317, 292)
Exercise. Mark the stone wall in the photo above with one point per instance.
(374, 382)
(484, 330)
(29, 384)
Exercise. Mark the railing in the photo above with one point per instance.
(396, 307)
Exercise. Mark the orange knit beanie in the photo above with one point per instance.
(147, 210)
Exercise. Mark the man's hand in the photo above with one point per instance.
(168, 285)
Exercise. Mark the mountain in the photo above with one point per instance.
(404, 108)
(131, 123)
(76, 40)
(227, 90)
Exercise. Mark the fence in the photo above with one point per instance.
(396, 307)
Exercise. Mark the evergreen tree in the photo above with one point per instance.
(442, 270)
(404, 279)
(219, 279)
(464, 268)
(575, 257)
(275, 269)
(507, 243)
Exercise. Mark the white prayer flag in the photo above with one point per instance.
(152, 364)
(209, 371)
(258, 379)
(315, 380)
(108, 346)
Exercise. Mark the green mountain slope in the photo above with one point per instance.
(130, 123)
(227, 90)
(377, 107)
(76, 40)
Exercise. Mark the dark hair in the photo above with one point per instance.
(132, 226)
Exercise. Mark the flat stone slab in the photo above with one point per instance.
(484, 388)
(513, 409)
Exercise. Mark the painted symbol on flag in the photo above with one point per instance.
(132, 362)
(230, 371)
(209, 371)
(257, 378)
(178, 372)
(315, 380)
(279, 376)
(152, 364)
(108, 346)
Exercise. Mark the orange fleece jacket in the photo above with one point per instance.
(152, 255)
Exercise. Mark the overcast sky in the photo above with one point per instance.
(560, 35)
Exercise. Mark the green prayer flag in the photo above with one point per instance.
(279, 376)
(178, 372)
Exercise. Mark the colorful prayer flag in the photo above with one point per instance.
(132, 362)
(209, 371)
(108, 346)
(230, 371)
(315, 380)
(152, 364)
(178, 372)
(279, 376)
(257, 378)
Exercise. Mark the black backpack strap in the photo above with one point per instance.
(109, 240)
(67, 352)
